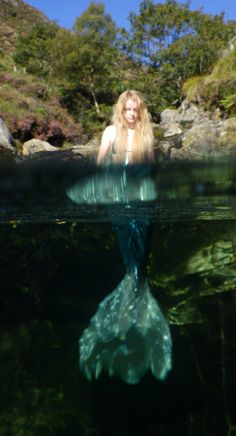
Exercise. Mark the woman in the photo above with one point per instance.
(128, 334)
(130, 138)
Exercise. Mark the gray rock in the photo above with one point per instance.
(5, 137)
(187, 112)
(229, 124)
(173, 129)
(165, 147)
(168, 116)
(208, 139)
(87, 150)
(36, 145)
(227, 137)
(194, 134)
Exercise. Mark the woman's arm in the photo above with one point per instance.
(108, 138)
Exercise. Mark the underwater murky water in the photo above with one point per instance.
(60, 259)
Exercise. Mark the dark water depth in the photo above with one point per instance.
(59, 260)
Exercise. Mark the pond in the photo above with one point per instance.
(62, 256)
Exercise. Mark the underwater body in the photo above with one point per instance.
(128, 334)
(60, 259)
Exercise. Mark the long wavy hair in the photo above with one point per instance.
(143, 134)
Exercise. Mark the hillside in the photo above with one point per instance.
(59, 86)
(15, 17)
(28, 105)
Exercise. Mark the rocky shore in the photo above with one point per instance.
(190, 133)
(186, 133)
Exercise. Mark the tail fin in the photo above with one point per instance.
(127, 335)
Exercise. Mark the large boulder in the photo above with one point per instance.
(190, 133)
(187, 113)
(38, 149)
(173, 129)
(36, 145)
(227, 137)
(5, 137)
(207, 140)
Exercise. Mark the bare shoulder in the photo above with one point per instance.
(110, 133)
(108, 138)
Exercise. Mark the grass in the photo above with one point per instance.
(218, 89)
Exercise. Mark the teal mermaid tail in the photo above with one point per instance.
(128, 335)
(113, 186)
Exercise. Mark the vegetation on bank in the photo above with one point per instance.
(60, 85)
(216, 90)
(30, 109)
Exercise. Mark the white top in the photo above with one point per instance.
(108, 139)
(129, 145)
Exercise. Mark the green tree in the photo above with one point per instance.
(85, 64)
(33, 49)
(94, 68)
(89, 71)
(175, 43)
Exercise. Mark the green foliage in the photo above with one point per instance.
(177, 42)
(193, 87)
(170, 33)
(87, 72)
(2, 67)
(225, 67)
(168, 52)
(30, 109)
(229, 102)
(158, 133)
(42, 111)
(96, 55)
(95, 23)
(33, 50)
(218, 89)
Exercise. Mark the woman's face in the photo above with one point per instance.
(131, 113)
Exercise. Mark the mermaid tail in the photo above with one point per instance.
(128, 334)
(112, 186)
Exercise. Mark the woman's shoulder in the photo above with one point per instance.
(110, 131)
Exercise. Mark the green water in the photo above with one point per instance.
(53, 277)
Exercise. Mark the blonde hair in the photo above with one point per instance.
(143, 135)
